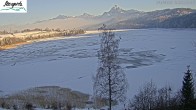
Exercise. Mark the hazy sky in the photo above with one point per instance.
(46, 9)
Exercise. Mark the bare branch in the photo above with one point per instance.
(110, 81)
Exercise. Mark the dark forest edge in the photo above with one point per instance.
(184, 21)
(134, 19)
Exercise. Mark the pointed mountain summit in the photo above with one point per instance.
(114, 11)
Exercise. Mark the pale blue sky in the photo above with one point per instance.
(46, 9)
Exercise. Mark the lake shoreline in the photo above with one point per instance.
(16, 45)
(13, 40)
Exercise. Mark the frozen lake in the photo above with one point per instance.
(160, 55)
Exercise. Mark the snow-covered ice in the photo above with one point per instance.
(160, 55)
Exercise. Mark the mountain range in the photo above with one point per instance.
(119, 18)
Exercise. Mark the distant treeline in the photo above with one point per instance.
(3, 32)
(13, 38)
(64, 32)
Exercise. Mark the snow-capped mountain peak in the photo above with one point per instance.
(116, 8)
(114, 11)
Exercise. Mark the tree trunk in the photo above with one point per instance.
(110, 91)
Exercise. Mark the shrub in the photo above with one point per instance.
(29, 106)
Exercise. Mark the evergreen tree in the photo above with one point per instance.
(188, 91)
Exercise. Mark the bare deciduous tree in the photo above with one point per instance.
(146, 98)
(164, 98)
(151, 98)
(110, 80)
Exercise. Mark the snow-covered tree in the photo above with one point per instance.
(110, 81)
